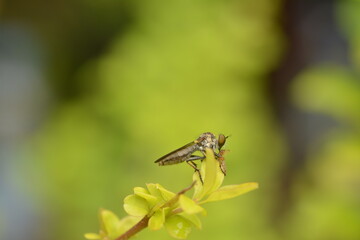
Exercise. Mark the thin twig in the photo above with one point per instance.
(144, 221)
(135, 229)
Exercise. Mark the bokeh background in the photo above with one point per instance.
(92, 92)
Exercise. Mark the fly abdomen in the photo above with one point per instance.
(178, 156)
(172, 160)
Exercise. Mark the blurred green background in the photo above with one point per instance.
(92, 92)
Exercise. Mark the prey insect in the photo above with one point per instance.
(221, 160)
(220, 155)
(185, 153)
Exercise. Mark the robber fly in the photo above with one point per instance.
(185, 153)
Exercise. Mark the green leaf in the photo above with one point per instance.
(212, 176)
(92, 236)
(142, 192)
(155, 191)
(110, 223)
(193, 218)
(126, 223)
(211, 166)
(329, 89)
(230, 191)
(166, 194)
(112, 227)
(136, 206)
(189, 206)
(178, 227)
(163, 195)
(219, 178)
(157, 220)
(198, 187)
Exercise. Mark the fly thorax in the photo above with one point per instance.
(207, 140)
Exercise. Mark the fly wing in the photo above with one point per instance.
(178, 155)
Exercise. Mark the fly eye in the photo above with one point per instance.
(221, 140)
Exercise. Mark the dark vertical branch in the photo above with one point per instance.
(310, 29)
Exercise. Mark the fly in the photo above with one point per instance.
(185, 153)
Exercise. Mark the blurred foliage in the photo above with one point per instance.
(348, 18)
(329, 198)
(333, 165)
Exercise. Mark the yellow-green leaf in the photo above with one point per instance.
(126, 223)
(112, 226)
(189, 206)
(211, 174)
(136, 206)
(198, 187)
(219, 178)
(210, 171)
(157, 220)
(154, 190)
(92, 236)
(142, 192)
(193, 218)
(178, 227)
(166, 194)
(231, 191)
(110, 223)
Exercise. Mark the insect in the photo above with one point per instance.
(221, 160)
(220, 155)
(185, 153)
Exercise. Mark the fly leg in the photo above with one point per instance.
(194, 166)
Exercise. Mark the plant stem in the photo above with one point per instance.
(135, 229)
(144, 221)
